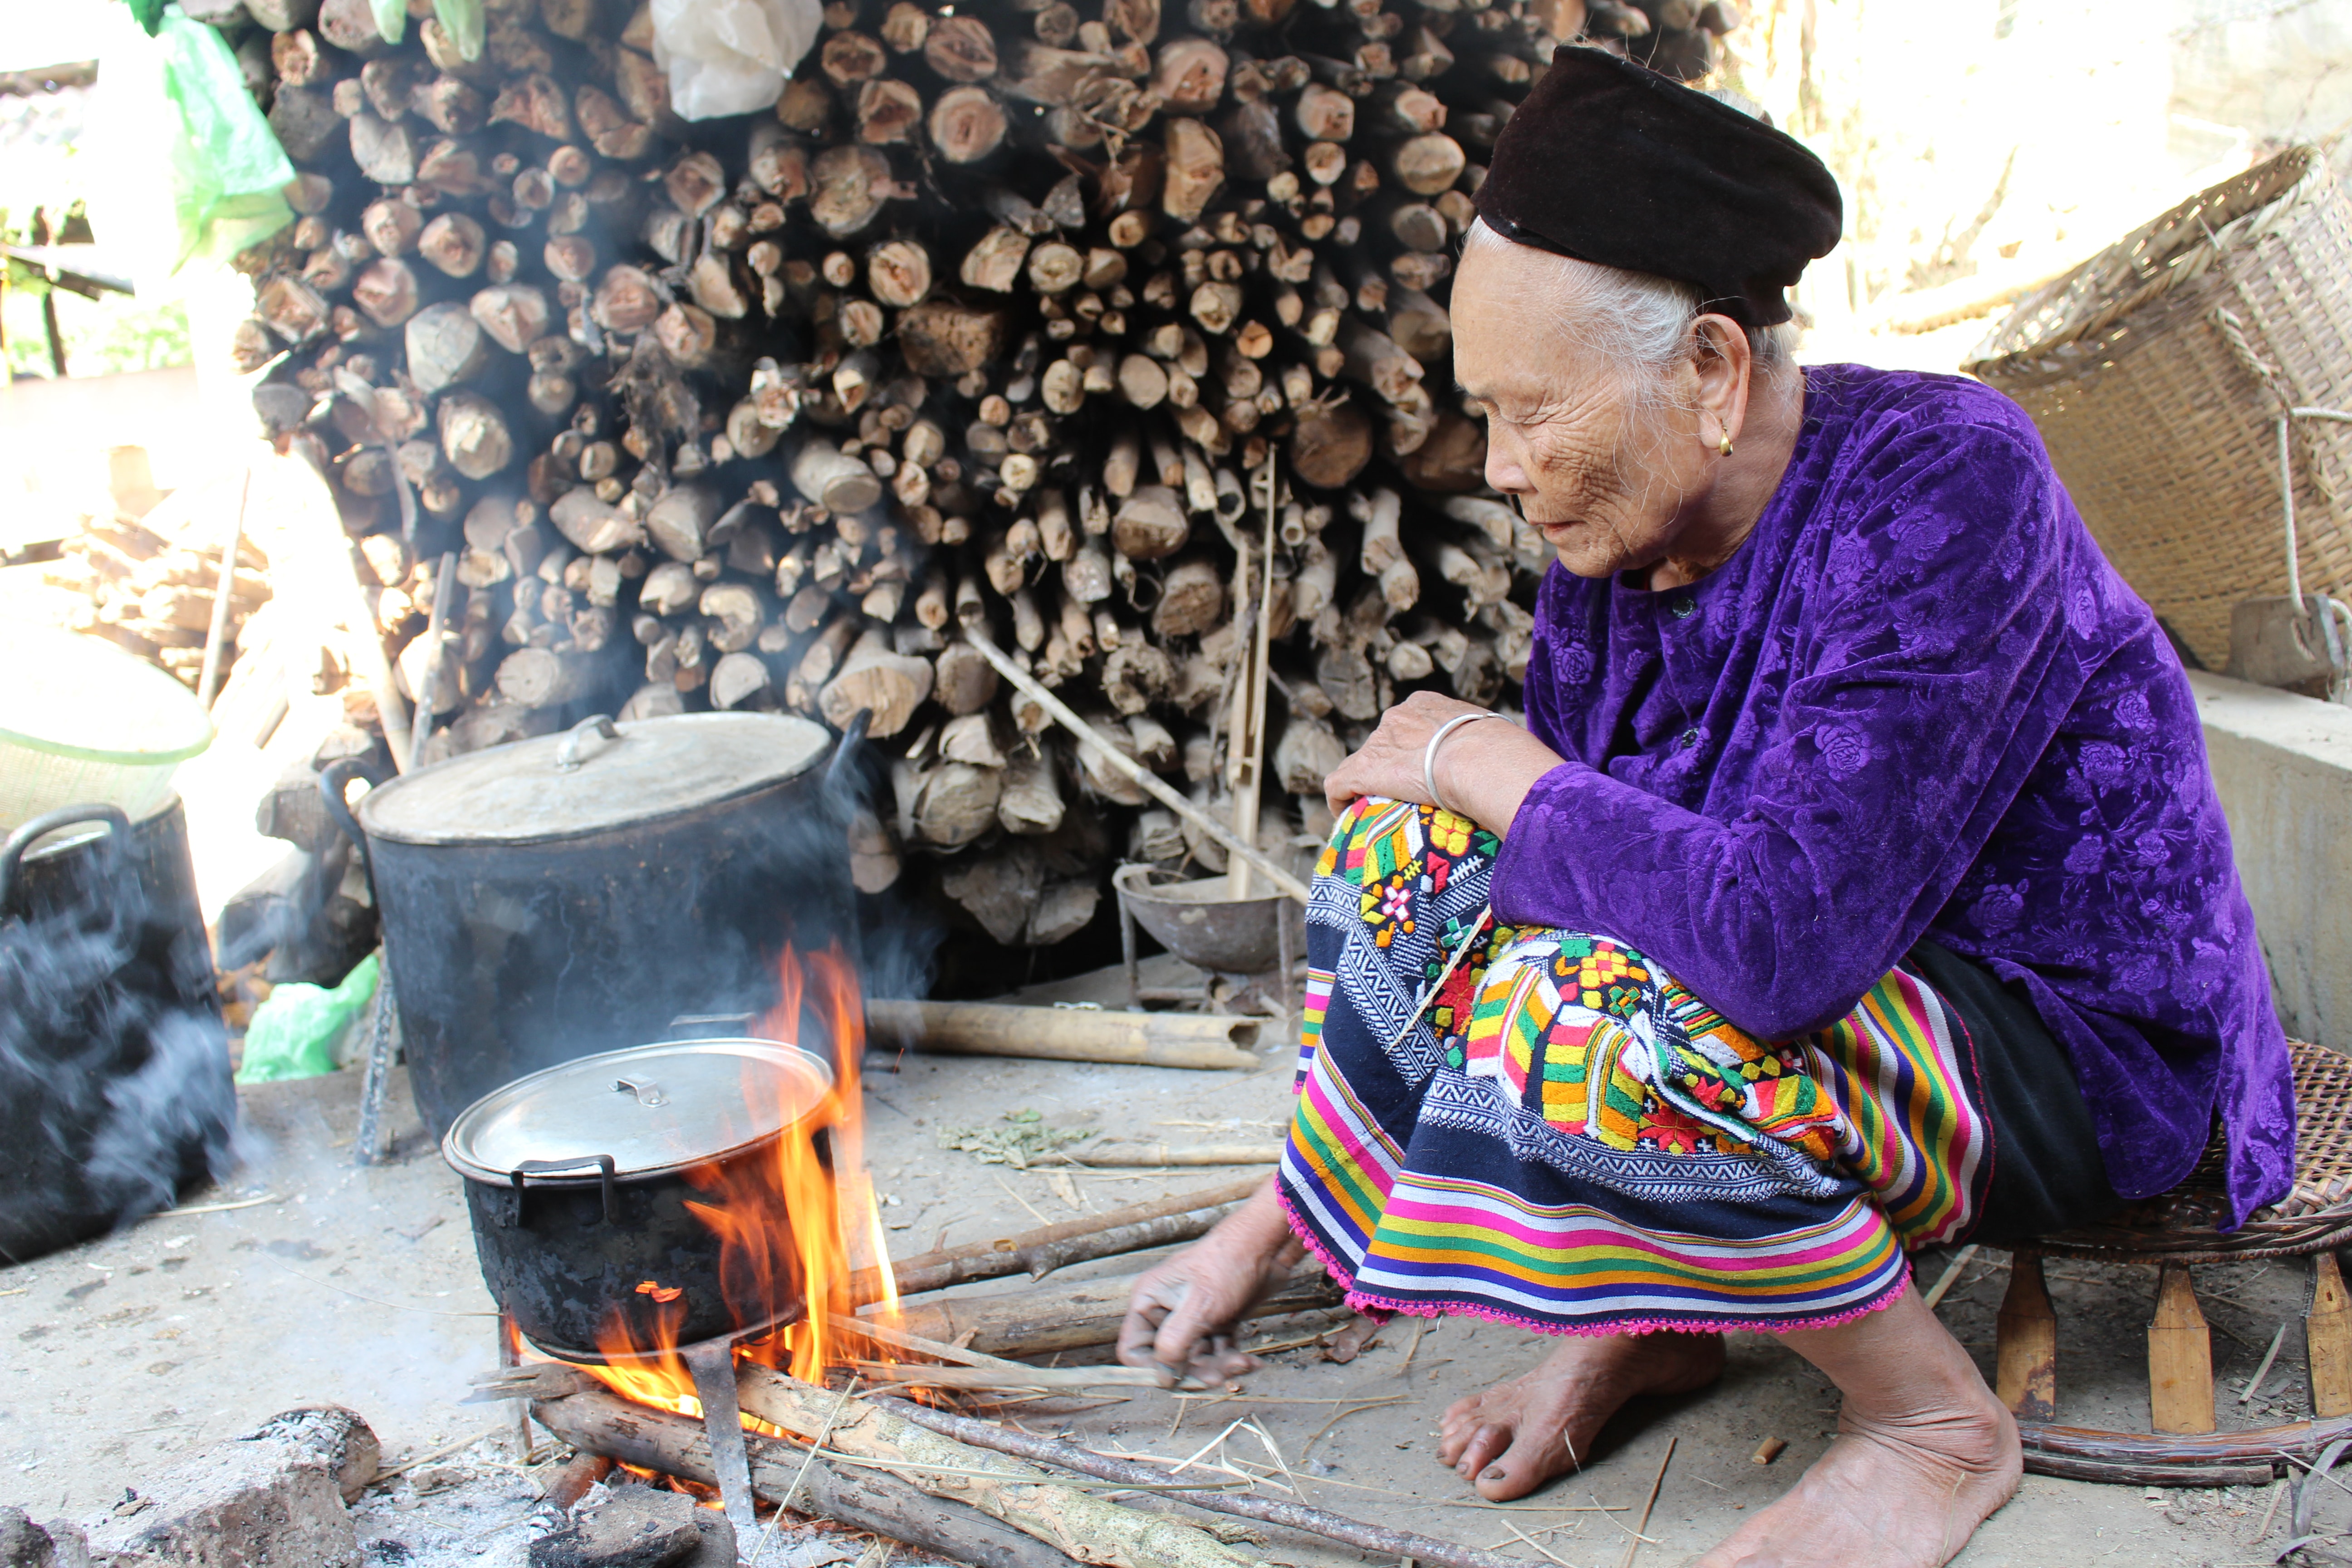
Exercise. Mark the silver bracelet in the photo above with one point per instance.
(1429, 753)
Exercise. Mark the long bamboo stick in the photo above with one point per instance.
(1151, 783)
(1068, 1034)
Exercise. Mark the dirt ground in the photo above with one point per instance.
(310, 1279)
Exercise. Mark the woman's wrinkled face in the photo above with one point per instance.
(1606, 474)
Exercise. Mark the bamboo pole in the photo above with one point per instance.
(1068, 1034)
(1151, 783)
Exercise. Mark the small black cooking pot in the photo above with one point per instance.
(115, 1073)
(577, 1180)
(555, 897)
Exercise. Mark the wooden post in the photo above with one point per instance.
(49, 325)
(2026, 1343)
(445, 582)
(223, 591)
(1246, 768)
(2328, 1330)
(2180, 1357)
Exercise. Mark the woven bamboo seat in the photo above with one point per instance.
(2171, 1232)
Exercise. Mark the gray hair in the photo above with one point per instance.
(1636, 321)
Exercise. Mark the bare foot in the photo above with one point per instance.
(1923, 1454)
(1894, 1495)
(1514, 1437)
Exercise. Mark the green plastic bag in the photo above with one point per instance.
(186, 166)
(294, 1033)
(461, 20)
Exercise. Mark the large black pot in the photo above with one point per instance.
(577, 1179)
(114, 1072)
(575, 893)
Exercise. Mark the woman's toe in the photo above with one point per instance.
(1480, 1450)
(1526, 1464)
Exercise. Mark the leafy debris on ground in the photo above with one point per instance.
(1028, 1137)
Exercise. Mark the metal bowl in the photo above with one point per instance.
(1201, 922)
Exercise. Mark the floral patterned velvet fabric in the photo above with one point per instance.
(1918, 701)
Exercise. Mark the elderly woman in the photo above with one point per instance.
(1856, 883)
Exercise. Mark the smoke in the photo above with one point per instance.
(898, 936)
(114, 1076)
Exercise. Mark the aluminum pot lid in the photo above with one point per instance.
(597, 777)
(653, 1108)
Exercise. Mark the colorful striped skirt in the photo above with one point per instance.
(1566, 1138)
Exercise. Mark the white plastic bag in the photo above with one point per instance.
(730, 57)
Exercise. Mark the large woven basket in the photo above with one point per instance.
(2157, 372)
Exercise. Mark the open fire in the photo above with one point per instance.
(793, 1224)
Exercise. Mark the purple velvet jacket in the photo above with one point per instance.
(1918, 701)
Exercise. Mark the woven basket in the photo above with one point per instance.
(2156, 371)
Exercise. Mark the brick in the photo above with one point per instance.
(271, 1499)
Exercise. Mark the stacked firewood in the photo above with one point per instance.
(1001, 323)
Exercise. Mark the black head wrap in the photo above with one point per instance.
(1609, 163)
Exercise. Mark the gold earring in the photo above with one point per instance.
(1724, 446)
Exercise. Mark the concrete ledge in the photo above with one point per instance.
(2282, 765)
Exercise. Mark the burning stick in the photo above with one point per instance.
(1348, 1531)
(1078, 1523)
(992, 1378)
(597, 1422)
(966, 1369)
(1040, 1252)
(1037, 1322)
(1164, 1155)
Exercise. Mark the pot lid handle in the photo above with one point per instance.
(647, 1091)
(567, 757)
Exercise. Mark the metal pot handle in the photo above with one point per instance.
(334, 780)
(604, 1164)
(567, 756)
(11, 854)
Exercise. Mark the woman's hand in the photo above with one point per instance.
(1484, 771)
(1181, 1317)
(1388, 764)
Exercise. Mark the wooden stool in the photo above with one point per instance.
(2170, 1232)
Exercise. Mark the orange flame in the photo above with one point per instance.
(793, 1220)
